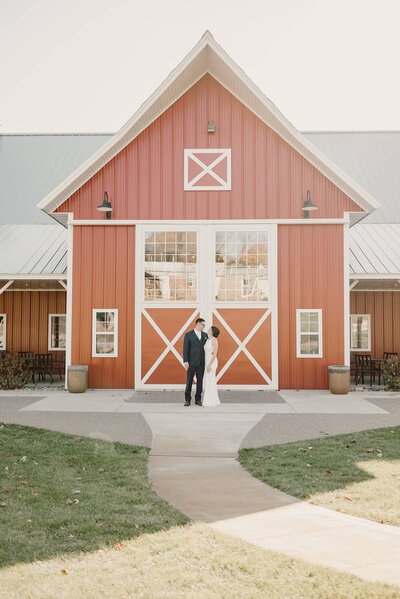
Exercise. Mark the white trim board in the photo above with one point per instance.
(207, 57)
(277, 221)
(33, 277)
(375, 277)
(346, 288)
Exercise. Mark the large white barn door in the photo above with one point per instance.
(225, 274)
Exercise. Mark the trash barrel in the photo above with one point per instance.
(77, 378)
(339, 379)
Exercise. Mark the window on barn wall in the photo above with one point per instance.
(309, 333)
(105, 333)
(360, 332)
(3, 319)
(241, 266)
(170, 272)
(57, 332)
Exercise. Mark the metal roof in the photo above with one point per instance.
(375, 249)
(33, 250)
(32, 165)
(372, 158)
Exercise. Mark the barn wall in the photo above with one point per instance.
(310, 275)
(103, 277)
(28, 316)
(384, 308)
(269, 178)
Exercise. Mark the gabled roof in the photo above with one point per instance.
(31, 165)
(33, 250)
(207, 57)
(371, 158)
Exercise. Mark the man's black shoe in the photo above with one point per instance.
(187, 403)
(198, 402)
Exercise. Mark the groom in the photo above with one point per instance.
(193, 360)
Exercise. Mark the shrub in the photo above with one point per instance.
(14, 373)
(391, 374)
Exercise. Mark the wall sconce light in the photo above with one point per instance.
(105, 206)
(308, 205)
(211, 128)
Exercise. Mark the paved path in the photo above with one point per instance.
(193, 465)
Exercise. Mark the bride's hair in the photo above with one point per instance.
(215, 331)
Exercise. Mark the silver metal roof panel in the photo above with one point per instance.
(33, 250)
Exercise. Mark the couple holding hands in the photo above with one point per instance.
(200, 352)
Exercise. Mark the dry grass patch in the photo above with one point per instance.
(376, 499)
(184, 563)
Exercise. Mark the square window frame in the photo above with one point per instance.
(4, 348)
(241, 302)
(299, 334)
(368, 316)
(188, 153)
(96, 311)
(49, 347)
(187, 228)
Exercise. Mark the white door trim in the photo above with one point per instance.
(206, 305)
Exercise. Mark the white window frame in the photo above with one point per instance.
(95, 311)
(368, 317)
(221, 185)
(49, 347)
(212, 243)
(4, 346)
(140, 262)
(300, 311)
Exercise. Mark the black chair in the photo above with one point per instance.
(28, 359)
(26, 356)
(42, 365)
(59, 364)
(366, 366)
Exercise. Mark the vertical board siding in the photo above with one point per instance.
(269, 178)
(28, 318)
(384, 308)
(103, 277)
(310, 267)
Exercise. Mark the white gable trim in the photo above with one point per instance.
(207, 57)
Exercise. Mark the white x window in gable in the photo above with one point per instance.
(207, 170)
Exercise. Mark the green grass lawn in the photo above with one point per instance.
(358, 474)
(62, 493)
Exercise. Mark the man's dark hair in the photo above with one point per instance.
(200, 320)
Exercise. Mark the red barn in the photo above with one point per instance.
(219, 207)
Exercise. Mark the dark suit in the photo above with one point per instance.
(193, 354)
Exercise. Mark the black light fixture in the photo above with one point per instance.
(105, 206)
(308, 205)
(211, 128)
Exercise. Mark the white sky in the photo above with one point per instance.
(87, 65)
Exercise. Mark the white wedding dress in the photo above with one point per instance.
(210, 396)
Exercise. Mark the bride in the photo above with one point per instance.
(210, 397)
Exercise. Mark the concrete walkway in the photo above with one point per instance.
(193, 466)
